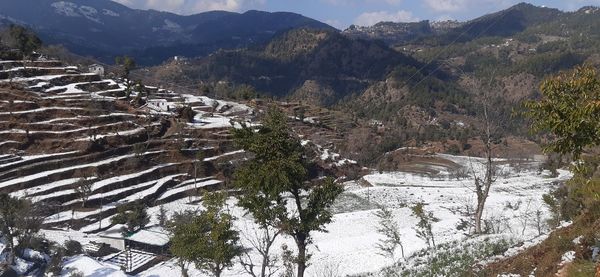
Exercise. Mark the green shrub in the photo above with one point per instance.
(450, 259)
(73, 248)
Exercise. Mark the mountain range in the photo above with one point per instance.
(411, 74)
(104, 29)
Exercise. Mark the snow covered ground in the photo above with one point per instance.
(349, 248)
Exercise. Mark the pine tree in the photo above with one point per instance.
(162, 216)
(20, 220)
(278, 174)
(127, 65)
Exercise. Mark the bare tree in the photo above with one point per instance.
(83, 188)
(262, 240)
(424, 228)
(484, 182)
(390, 230)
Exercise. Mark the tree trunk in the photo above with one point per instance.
(402, 250)
(265, 263)
(217, 270)
(482, 188)
(479, 214)
(10, 259)
(301, 262)
(182, 266)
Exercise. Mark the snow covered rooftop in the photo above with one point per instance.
(114, 232)
(153, 236)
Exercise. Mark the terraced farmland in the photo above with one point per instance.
(60, 127)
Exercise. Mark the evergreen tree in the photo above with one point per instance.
(127, 65)
(133, 215)
(278, 174)
(162, 216)
(208, 238)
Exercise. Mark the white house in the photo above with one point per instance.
(153, 239)
(96, 69)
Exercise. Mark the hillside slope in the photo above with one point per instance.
(320, 67)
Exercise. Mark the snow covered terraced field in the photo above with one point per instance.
(59, 126)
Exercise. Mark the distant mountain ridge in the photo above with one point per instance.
(504, 23)
(103, 29)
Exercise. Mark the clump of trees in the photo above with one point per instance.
(20, 221)
(275, 187)
(20, 38)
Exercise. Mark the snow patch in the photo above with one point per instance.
(568, 257)
(66, 8)
(109, 13)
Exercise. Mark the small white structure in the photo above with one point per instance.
(180, 59)
(96, 69)
(113, 237)
(153, 239)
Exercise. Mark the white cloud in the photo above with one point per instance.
(335, 23)
(454, 6)
(371, 18)
(447, 5)
(444, 17)
(187, 7)
(361, 2)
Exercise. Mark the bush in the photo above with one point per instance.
(453, 149)
(73, 248)
(449, 259)
(76, 273)
(55, 266)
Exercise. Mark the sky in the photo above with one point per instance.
(343, 13)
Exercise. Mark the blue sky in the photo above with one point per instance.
(342, 13)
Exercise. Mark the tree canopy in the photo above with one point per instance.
(207, 239)
(569, 110)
